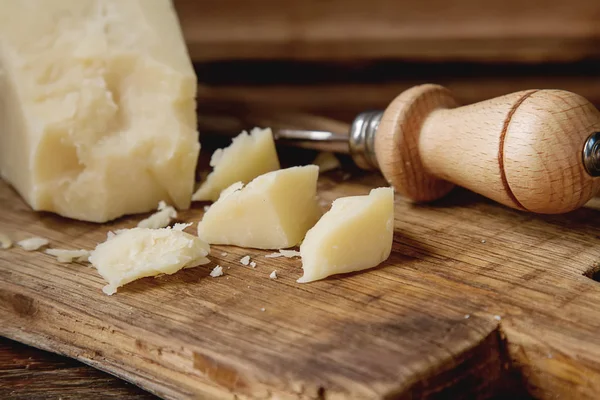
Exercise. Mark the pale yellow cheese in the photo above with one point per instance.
(273, 211)
(355, 234)
(33, 244)
(327, 162)
(69, 256)
(248, 156)
(97, 106)
(284, 253)
(160, 219)
(216, 272)
(136, 253)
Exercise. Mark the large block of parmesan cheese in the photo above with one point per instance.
(273, 211)
(97, 106)
(355, 234)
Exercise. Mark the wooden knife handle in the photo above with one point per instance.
(523, 150)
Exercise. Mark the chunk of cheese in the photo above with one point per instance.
(355, 234)
(248, 156)
(273, 211)
(97, 106)
(136, 253)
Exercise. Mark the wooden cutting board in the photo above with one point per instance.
(475, 300)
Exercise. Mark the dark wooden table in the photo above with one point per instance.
(31, 374)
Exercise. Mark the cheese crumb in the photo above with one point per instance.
(284, 253)
(159, 219)
(467, 316)
(497, 317)
(136, 253)
(273, 275)
(253, 264)
(33, 244)
(180, 227)
(245, 260)
(5, 242)
(223, 254)
(217, 271)
(262, 309)
(326, 161)
(68, 256)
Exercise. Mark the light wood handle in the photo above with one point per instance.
(523, 150)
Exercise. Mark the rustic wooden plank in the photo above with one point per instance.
(399, 330)
(344, 100)
(30, 374)
(511, 30)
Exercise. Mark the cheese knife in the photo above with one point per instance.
(533, 150)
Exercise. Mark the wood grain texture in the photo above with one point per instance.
(398, 146)
(31, 374)
(380, 29)
(542, 152)
(344, 100)
(398, 331)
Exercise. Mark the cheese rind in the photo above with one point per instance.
(273, 211)
(355, 234)
(248, 156)
(97, 106)
(136, 253)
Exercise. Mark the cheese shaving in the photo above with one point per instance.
(180, 227)
(284, 253)
(273, 275)
(33, 244)
(141, 252)
(69, 256)
(159, 219)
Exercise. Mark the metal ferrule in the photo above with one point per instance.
(591, 154)
(362, 139)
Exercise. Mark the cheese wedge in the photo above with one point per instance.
(355, 234)
(273, 211)
(136, 253)
(248, 156)
(97, 106)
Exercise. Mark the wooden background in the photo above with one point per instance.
(340, 57)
